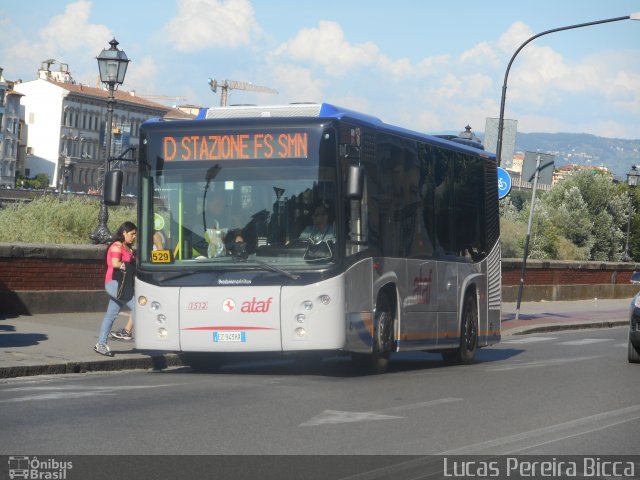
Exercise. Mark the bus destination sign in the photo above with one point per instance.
(238, 146)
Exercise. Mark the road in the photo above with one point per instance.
(561, 393)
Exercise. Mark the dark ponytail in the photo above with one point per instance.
(124, 228)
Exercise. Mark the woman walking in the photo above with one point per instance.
(119, 254)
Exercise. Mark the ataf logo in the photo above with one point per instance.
(256, 306)
(228, 305)
(422, 288)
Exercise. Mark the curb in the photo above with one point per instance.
(154, 362)
(525, 330)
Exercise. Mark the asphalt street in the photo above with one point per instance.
(63, 342)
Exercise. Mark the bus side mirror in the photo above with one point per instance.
(355, 181)
(113, 187)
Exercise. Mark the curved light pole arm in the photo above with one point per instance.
(634, 16)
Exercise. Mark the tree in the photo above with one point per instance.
(39, 182)
(590, 211)
(42, 181)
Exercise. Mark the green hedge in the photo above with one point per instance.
(50, 219)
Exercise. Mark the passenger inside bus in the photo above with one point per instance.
(217, 236)
(159, 235)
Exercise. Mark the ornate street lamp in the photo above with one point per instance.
(112, 64)
(632, 180)
(633, 16)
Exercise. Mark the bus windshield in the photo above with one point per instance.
(239, 199)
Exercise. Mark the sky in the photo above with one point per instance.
(431, 66)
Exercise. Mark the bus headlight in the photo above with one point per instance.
(162, 333)
(307, 304)
(300, 318)
(142, 300)
(160, 319)
(300, 332)
(155, 306)
(325, 299)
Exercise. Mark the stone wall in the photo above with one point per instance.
(38, 278)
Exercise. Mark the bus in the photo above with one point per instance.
(412, 262)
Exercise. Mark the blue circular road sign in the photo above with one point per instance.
(504, 183)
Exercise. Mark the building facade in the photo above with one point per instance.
(65, 125)
(11, 148)
(563, 171)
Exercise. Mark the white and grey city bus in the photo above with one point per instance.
(412, 261)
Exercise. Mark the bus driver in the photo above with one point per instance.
(321, 230)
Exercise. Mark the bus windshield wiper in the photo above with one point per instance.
(181, 275)
(273, 268)
(239, 254)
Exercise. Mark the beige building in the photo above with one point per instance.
(66, 129)
(11, 126)
(564, 170)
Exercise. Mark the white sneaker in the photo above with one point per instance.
(102, 349)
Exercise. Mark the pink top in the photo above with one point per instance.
(116, 250)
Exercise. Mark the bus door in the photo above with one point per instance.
(230, 319)
(419, 326)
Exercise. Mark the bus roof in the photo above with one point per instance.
(328, 111)
(314, 110)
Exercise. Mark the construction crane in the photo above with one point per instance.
(226, 85)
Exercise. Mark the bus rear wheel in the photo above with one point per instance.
(466, 352)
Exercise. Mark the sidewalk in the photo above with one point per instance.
(63, 342)
(535, 317)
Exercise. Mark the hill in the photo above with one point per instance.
(618, 155)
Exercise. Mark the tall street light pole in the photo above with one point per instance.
(112, 64)
(632, 181)
(633, 16)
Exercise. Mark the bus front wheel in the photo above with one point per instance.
(377, 361)
(466, 352)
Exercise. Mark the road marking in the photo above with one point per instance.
(70, 391)
(528, 339)
(554, 433)
(335, 417)
(539, 363)
(586, 341)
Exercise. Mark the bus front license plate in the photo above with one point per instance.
(229, 337)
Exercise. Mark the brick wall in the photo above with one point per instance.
(50, 274)
(51, 267)
(37, 278)
(566, 280)
(540, 272)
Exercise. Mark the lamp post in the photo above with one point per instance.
(112, 64)
(633, 16)
(632, 181)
